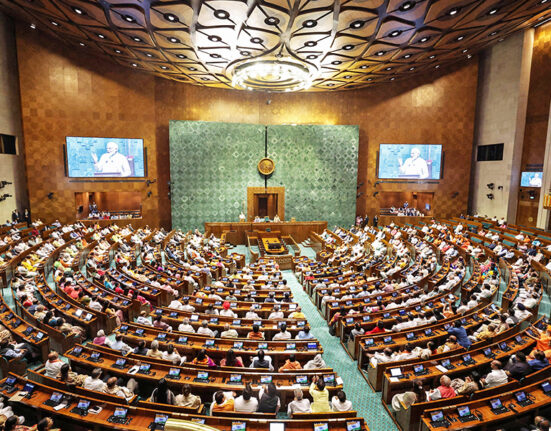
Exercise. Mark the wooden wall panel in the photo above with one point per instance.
(539, 98)
(65, 93)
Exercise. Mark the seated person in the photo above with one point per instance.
(283, 334)
(262, 361)
(443, 391)
(246, 402)
(290, 364)
(269, 399)
(320, 395)
(222, 403)
(299, 403)
(255, 334)
(228, 332)
(339, 403)
(495, 377)
(518, 367)
(162, 394)
(187, 399)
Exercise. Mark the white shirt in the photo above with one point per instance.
(52, 368)
(94, 384)
(242, 406)
(302, 406)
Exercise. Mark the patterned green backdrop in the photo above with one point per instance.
(212, 164)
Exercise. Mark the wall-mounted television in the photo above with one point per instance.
(531, 179)
(407, 161)
(104, 157)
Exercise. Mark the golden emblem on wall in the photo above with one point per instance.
(266, 166)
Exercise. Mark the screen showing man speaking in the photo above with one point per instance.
(422, 162)
(105, 157)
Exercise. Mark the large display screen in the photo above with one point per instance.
(531, 179)
(405, 161)
(104, 157)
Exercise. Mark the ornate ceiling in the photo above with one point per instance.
(348, 43)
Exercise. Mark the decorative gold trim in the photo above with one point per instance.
(266, 166)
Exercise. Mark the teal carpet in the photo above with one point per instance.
(364, 400)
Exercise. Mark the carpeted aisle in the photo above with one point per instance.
(364, 400)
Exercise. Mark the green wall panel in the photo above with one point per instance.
(212, 164)
(318, 166)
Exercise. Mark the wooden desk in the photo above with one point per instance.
(300, 231)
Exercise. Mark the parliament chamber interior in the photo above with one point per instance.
(275, 215)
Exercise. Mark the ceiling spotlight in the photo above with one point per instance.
(245, 53)
(173, 40)
(128, 18)
(33, 26)
(171, 17)
(363, 66)
(330, 84)
(193, 69)
(464, 51)
(117, 51)
(55, 23)
(388, 68)
(256, 40)
(221, 14)
(214, 38)
(469, 56)
(490, 186)
(357, 24)
(82, 44)
(432, 56)
(181, 56)
(310, 23)
(214, 55)
(424, 39)
(310, 43)
(370, 79)
(134, 65)
(380, 53)
(348, 47)
(336, 62)
(395, 33)
(407, 56)
(101, 36)
(393, 78)
(453, 11)
(148, 54)
(543, 1)
(492, 11)
(78, 11)
(490, 196)
(437, 66)
(137, 39)
(493, 33)
(460, 38)
(347, 76)
(311, 57)
(164, 67)
(407, 6)
(271, 20)
(412, 68)
(205, 79)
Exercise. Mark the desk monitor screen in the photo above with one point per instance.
(262, 346)
(446, 363)
(386, 316)
(302, 380)
(387, 339)
(265, 379)
(238, 426)
(56, 397)
(95, 355)
(437, 416)
(503, 345)
(520, 396)
(10, 381)
(496, 403)
(321, 426)
(120, 412)
(29, 388)
(410, 336)
(182, 340)
(395, 372)
(83, 404)
(487, 352)
(77, 350)
(194, 317)
(301, 323)
(257, 322)
(546, 387)
(89, 157)
(312, 346)
(236, 322)
(291, 346)
(139, 331)
(349, 320)
(173, 314)
(531, 179)
(238, 345)
(39, 335)
(463, 411)
(120, 362)
(174, 372)
(203, 375)
(403, 161)
(124, 328)
(209, 342)
(369, 342)
(78, 313)
(402, 312)
(353, 425)
(277, 426)
(367, 318)
(160, 419)
(214, 320)
(235, 378)
(161, 335)
(418, 368)
(329, 378)
(144, 368)
(466, 358)
(428, 332)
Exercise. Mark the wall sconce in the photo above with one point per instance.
(375, 194)
(454, 195)
(490, 186)
(149, 193)
(149, 182)
(51, 195)
(490, 196)
(500, 187)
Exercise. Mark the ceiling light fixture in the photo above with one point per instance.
(256, 40)
(357, 24)
(148, 54)
(310, 43)
(407, 6)
(310, 23)
(336, 62)
(33, 26)
(55, 23)
(274, 75)
(432, 56)
(453, 11)
(134, 65)
(245, 53)
(395, 33)
(214, 38)
(128, 18)
(173, 40)
(492, 11)
(78, 11)
(363, 66)
(101, 36)
(380, 53)
(82, 44)
(182, 56)
(311, 57)
(424, 39)
(348, 47)
(137, 39)
(221, 14)
(460, 38)
(117, 51)
(171, 17)
(271, 20)
(164, 67)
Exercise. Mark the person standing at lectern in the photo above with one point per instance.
(112, 162)
(414, 166)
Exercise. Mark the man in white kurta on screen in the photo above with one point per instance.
(414, 165)
(112, 162)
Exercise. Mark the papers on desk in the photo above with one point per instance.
(60, 406)
(441, 368)
(339, 381)
(18, 396)
(134, 369)
(393, 379)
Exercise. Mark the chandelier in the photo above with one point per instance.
(273, 75)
